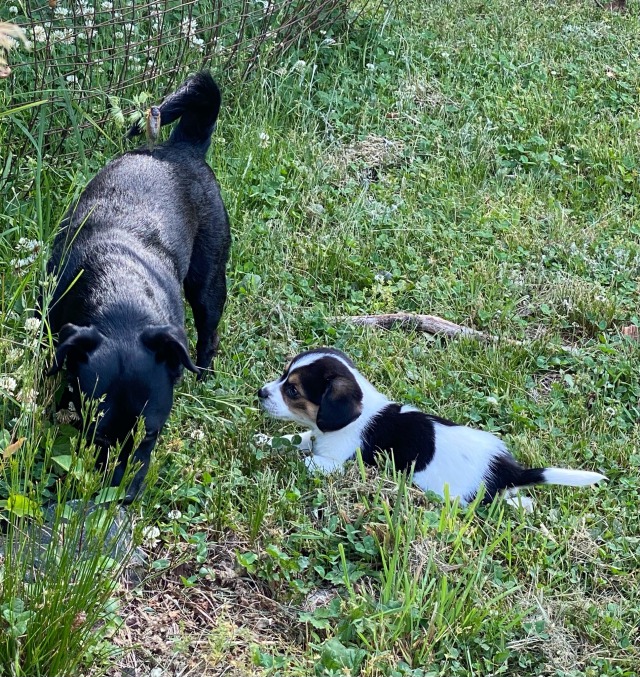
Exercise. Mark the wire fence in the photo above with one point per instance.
(92, 59)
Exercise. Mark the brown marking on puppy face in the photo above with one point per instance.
(295, 397)
(325, 392)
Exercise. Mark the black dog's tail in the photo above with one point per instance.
(197, 103)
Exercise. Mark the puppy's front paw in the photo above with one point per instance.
(322, 464)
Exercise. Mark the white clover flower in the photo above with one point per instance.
(107, 6)
(39, 33)
(32, 324)
(27, 396)
(28, 246)
(492, 400)
(61, 11)
(150, 63)
(65, 36)
(150, 537)
(188, 26)
(174, 515)
(8, 384)
(328, 42)
(72, 79)
(19, 264)
(197, 435)
(13, 9)
(299, 65)
(118, 35)
(371, 66)
(14, 354)
(65, 417)
(264, 139)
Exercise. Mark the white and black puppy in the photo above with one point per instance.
(322, 390)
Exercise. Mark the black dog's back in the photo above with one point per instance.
(148, 205)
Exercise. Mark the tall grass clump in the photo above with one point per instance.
(64, 540)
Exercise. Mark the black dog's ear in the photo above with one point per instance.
(74, 344)
(341, 403)
(169, 343)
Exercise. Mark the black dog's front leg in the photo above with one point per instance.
(206, 292)
(142, 455)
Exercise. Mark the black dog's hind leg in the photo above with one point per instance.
(206, 290)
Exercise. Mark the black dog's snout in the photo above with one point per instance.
(263, 394)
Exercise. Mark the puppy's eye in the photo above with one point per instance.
(291, 391)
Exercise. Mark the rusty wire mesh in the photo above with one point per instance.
(90, 57)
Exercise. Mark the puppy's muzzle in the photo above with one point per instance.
(263, 393)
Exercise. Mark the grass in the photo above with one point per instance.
(474, 160)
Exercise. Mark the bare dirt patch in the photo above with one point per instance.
(209, 629)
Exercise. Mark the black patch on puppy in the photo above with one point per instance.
(148, 224)
(330, 384)
(408, 436)
(505, 472)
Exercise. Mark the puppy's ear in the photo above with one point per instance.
(169, 343)
(74, 345)
(341, 404)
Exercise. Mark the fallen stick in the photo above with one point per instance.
(431, 324)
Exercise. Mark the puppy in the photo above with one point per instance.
(322, 390)
(149, 223)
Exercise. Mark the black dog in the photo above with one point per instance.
(149, 222)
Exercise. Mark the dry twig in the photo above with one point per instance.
(431, 324)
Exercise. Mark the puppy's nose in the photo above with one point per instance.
(263, 393)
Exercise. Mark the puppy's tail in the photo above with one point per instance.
(197, 103)
(568, 478)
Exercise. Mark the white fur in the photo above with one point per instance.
(515, 499)
(461, 460)
(571, 478)
(275, 404)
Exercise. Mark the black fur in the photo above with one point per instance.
(409, 436)
(505, 472)
(149, 223)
